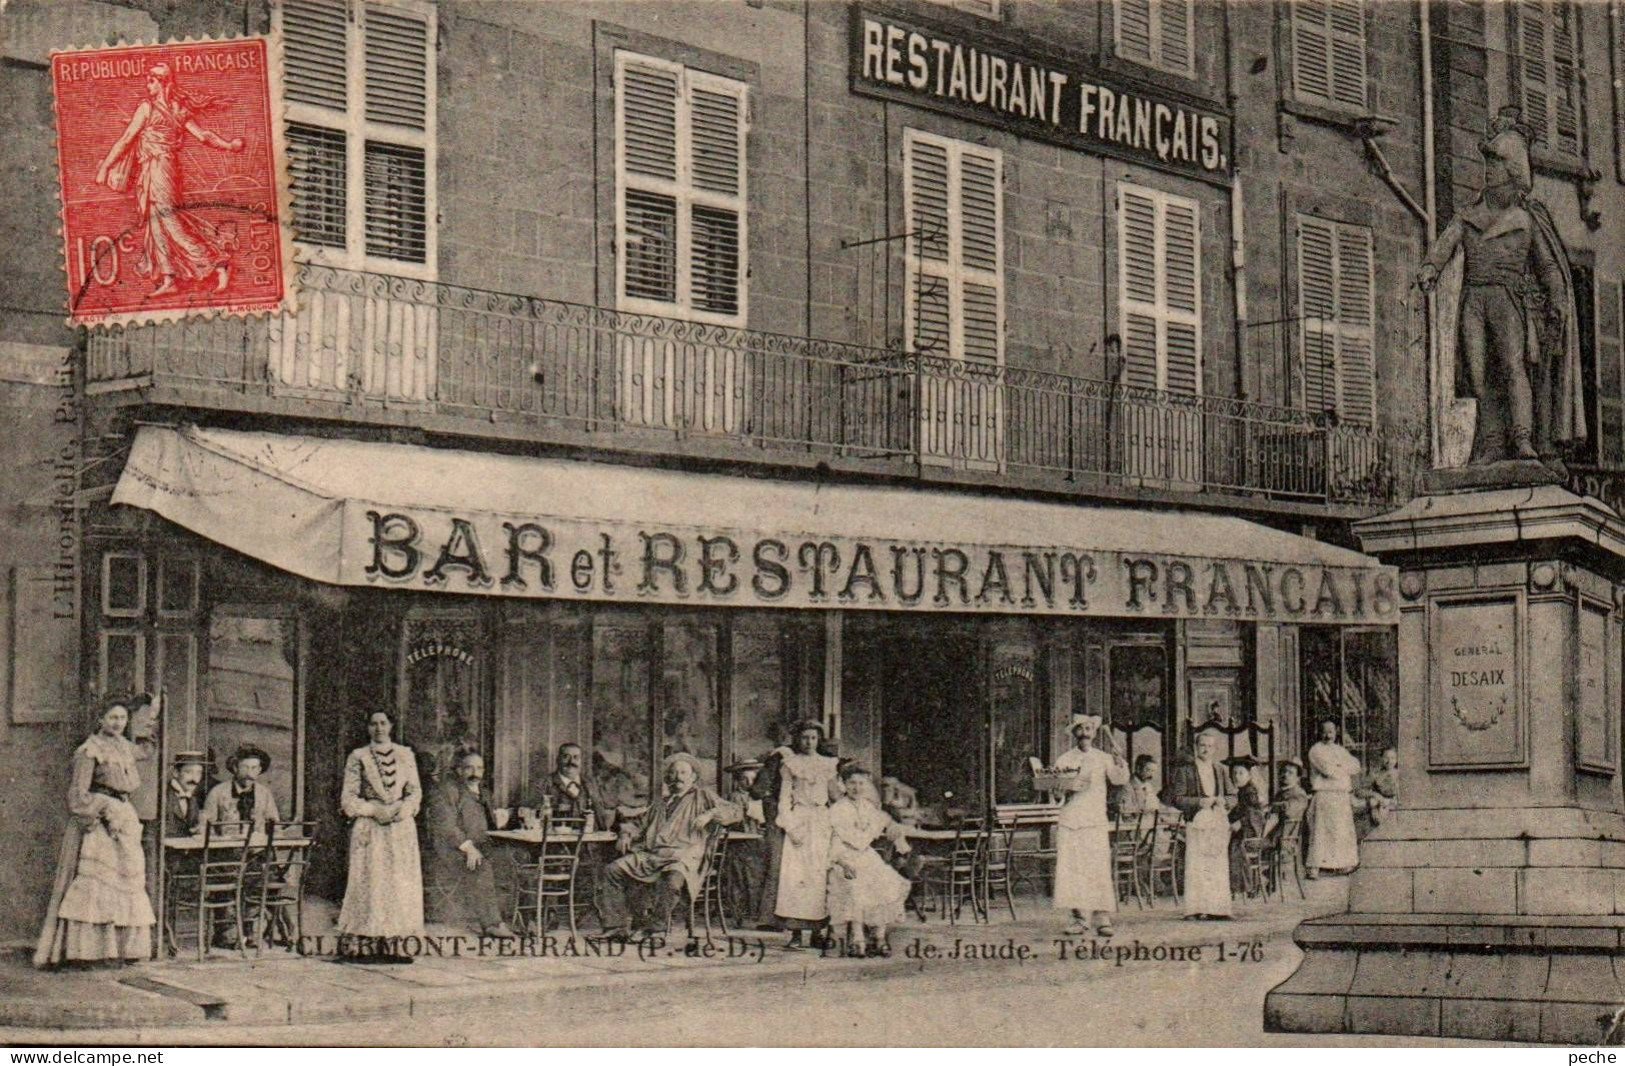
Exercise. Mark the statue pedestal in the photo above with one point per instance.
(1491, 905)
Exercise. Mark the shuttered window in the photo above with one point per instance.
(1336, 317)
(1157, 33)
(680, 170)
(1547, 72)
(953, 199)
(1329, 52)
(359, 77)
(1159, 286)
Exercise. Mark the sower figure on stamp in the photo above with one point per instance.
(1500, 267)
(175, 240)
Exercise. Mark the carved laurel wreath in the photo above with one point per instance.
(1478, 725)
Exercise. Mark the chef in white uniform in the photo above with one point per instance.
(1083, 851)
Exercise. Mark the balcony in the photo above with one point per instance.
(387, 350)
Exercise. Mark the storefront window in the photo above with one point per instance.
(759, 714)
(1020, 721)
(1139, 700)
(620, 711)
(689, 717)
(1350, 677)
(253, 697)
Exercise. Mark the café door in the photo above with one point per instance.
(442, 692)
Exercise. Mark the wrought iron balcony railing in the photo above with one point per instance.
(367, 340)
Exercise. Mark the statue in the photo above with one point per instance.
(1501, 267)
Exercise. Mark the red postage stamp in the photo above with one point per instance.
(173, 181)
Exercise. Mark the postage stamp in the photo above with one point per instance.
(173, 181)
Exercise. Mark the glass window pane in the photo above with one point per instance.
(759, 719)
(124, 663)
(688, 696)
(251, 696)
(1019, 721)
(620, 712)
(124, 584)
(177, 586)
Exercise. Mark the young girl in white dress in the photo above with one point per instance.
(864, 892)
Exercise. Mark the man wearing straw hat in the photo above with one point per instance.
(1083, 850)
(662, 850)
(185, 805)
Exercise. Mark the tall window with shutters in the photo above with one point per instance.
(360, 90)
(1159, 271)
(1547, 73)
(680, 173)
(1157, 33)
(1336, 313)
(1329, 53)
(954, 202)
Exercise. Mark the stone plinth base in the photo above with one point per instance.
(1505, 474)
(1482, 977)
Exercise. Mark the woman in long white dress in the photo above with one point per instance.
(383, 898)
(1083, 850)
(804, 795)
(1200, 789)
(865, 894)
(99, 910)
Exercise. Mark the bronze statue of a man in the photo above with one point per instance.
(1501, 265)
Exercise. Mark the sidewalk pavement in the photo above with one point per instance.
(465, 973)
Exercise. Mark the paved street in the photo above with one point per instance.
(932, 1001)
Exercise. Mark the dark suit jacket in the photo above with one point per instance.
(1184, 787)
(1250, 811)
(766, 787)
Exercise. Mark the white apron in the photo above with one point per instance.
(1083, 851)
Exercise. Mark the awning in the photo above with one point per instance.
(371, 514)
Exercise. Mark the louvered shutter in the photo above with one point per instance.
(930, 239)
(396, 63)
(315, 52)
(396, 224)
(680, 137)
(1610, 378)
(981, 295)
(717, 161)
(1329, 52)
(1346, 19)
(318, 168)
(1565, 80)
(1534, 78)
(1317, 312)
(1311, 50)
(1356, 361)
(1336, 313)
(1180, 296)
(1137, 254)
(1134, 30)
(1174, 18)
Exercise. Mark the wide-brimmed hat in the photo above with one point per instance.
(248, 751)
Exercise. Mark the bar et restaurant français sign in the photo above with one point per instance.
(568, 558)
(895, 57)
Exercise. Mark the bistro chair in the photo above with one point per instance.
(1162, 857)
(708, 899)
(952, 879)
(212, 892)
(1126, 844)
(1286, 847)
(1033, 854)
(996, 866)
(549, 884)
(280, 867)
(1253, 862)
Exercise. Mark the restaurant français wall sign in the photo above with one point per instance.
(897, 57)
(567, 558)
